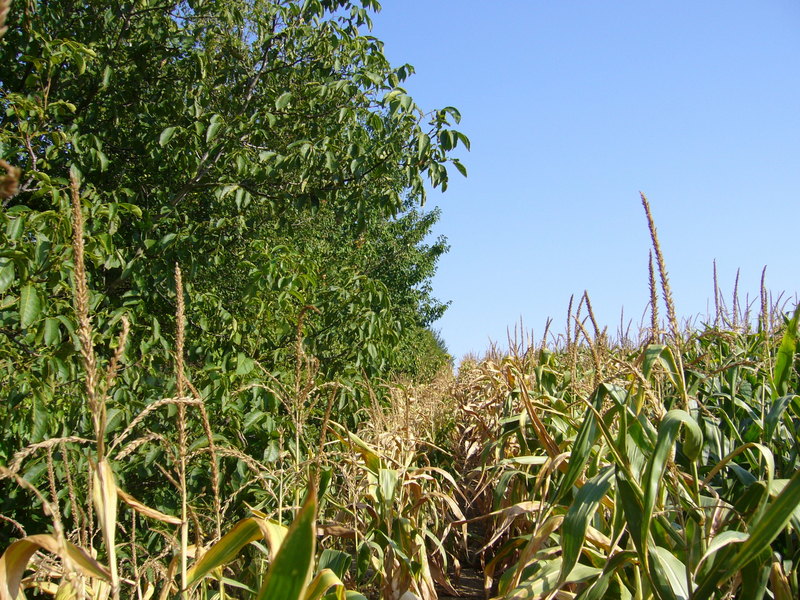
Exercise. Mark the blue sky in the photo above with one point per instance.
(572, 108)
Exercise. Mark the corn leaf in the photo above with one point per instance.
(288, 575)
(371, 459)
(146, 510)
(722, 540)
(573, 530)
(15, 560)
(322, 582)
(547, 579)
(668, 575)
(274, 533)
(104, 496)
(587, 435)
(771, 523)
(667, 433)
(597, 590)
(226, 549)
(783, 362)
(631, 498)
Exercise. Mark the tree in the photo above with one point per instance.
(202, 128)
(266, 146)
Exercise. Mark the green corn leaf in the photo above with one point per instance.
(289, 574)
(783, 362)
(547, 579)
(226, 549)
(668, 575)
(726, 538)
(337, 561)
(775, 413)
(754, 582)
(371, 459)
(587, 435)
(667, 433)
(322, 583)
(597, 590)
(573, 530)
(631, 498)
(771, 523)
(30, 305)
(387, 484)
(662, 354)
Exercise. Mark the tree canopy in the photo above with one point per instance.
(267, 147)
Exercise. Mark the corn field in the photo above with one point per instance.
(295, 431)
(572, 467)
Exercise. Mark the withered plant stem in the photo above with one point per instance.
(51, 476)
(73, 502)
(214, 462)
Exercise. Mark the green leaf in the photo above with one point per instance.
(772, 522)
(667, 433)
(573, 530)
(226, 549)
(335, 560)
(30, 305)
(783, 362)
(213, 127)
(775, 413)
(244, 364)
(283, 100)
(722, 540)
(6, 274)
(597, 589)
(387, 485)
(166, 136)
(290, 573)
(321, 584)
(669, 575)
(587, 435)
(52, 335)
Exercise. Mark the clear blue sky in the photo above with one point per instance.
(572, 108)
